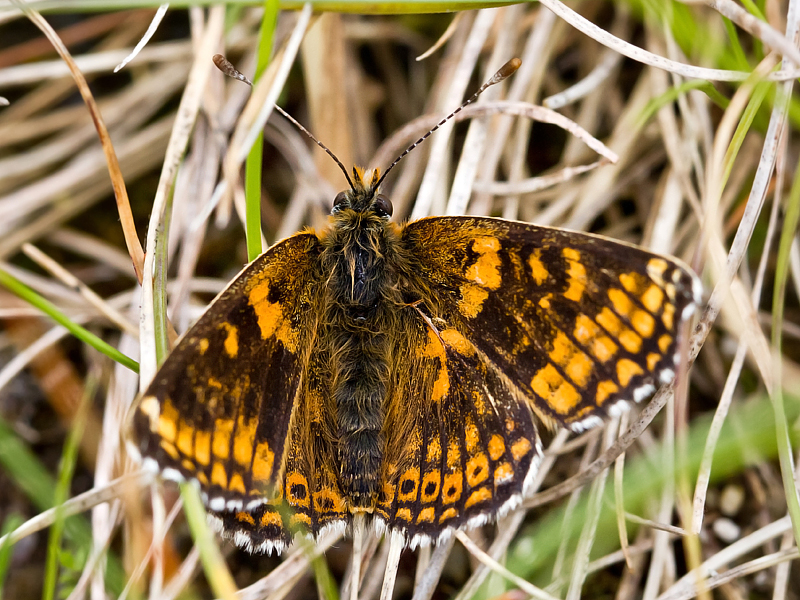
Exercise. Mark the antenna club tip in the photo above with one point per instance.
(509, 68)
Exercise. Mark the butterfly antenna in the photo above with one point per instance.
(505, 71)
(224, 65)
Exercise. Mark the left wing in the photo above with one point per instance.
(220, 407)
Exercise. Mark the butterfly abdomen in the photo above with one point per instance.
(359, 349)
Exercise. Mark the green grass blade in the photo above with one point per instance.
(66, 472)
(217, 573)
(253, 164)
(50, 309)
(673, 93)
(10, 524)
(30, 475)
(782, 432)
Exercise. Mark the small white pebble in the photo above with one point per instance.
(731, 500)
(726, 530)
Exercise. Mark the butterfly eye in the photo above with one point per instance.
(383, 206)
(338, 202)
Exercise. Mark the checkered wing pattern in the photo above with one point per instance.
(219, 410)
(576, 323)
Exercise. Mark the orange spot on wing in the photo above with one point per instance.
(221, 443)
(435, 349)
(448, 514)
(219, 476)
(231, 343)
(496, 447)
(185, 441)
(609, 321)
(604, 390)
(434, 451)
(668, 316)
(271, 518)
(559, 394)
(643, 323)
(433, 478)
(426, 515)
(271, 320)
(299, 519)
(503, 473)
(653, 298)
(477, 469)
(236, 483)
(656, 268)
(404, 514)
(170, 449)
(538, 270)
(630, 341)
(202, 447)
(408, 485)
(520, 448)
(575, 363)
(486, 270)
(631, 282)
(478, 496)
(472, 299)
(472, 437)
(458, 342)
(327, 500)
(245, 517)
(168, 422)
(263, 462)
(453, 485)
(664, 343)
(453, 455)
(243, 440)
(296, 487)
(626, 370)
(576, 273)
(652, 361)
(604, 349)
(620, 301)
(202, 346)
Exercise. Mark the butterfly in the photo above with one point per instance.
(400, 372)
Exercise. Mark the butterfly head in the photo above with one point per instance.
(363, 198)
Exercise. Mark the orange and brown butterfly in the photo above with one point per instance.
(400, 372)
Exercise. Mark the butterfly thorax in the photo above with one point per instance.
(359, 300)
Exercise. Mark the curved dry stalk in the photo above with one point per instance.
(187, 113)
(117, 181)
(78, 504)
(458, 79)
(643, 56)
(151, 30)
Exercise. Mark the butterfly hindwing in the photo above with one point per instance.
(310, 499)
(459, 444)
(220, 407)
(575, 322)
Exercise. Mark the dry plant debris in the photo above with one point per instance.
(670, 128)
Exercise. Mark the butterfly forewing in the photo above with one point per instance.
(220, 408)
(575, 322)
